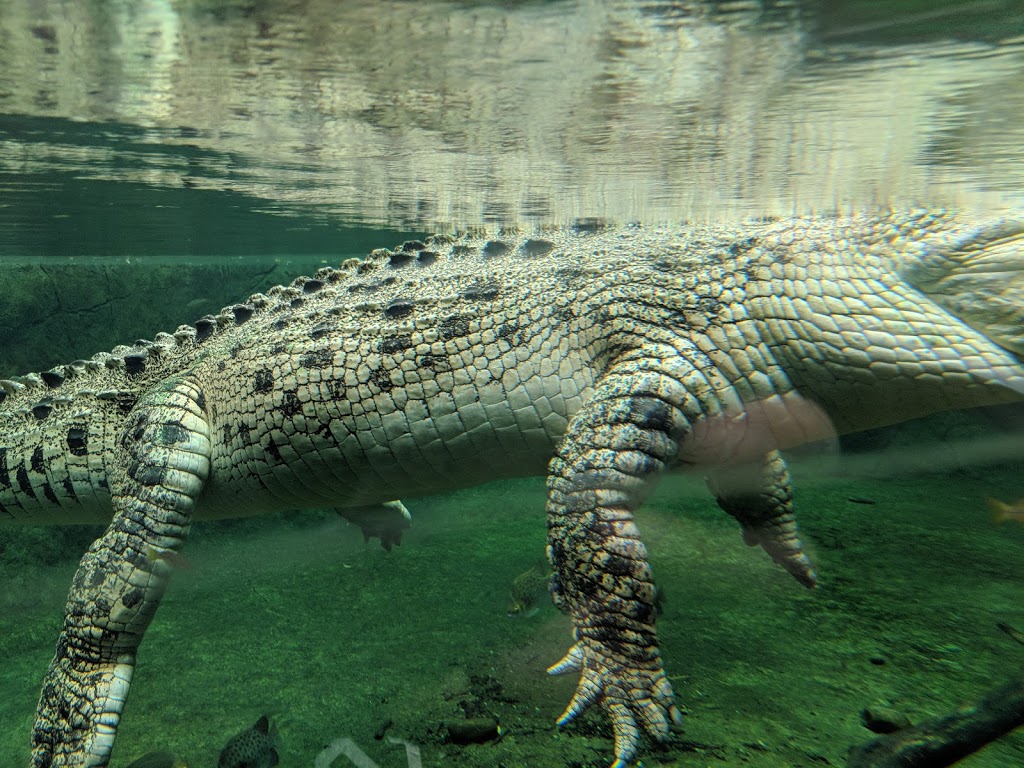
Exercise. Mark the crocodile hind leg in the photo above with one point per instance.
(760, 497)
(160, 466)
(628, 433)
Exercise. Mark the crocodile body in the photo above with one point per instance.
(599, 358)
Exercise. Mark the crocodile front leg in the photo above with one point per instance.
(161, 464)
(759, 495)
(630, 431)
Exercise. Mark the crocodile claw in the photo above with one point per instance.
(637, 699)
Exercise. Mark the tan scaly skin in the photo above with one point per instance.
(601, 358)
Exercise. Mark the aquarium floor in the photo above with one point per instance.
(334, 638)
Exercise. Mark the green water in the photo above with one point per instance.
(161, 160)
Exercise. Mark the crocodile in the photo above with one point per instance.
(600, 356)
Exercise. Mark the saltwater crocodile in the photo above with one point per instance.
(601, 356)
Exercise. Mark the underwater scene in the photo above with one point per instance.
(406, 354)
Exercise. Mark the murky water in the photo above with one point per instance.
(428, 114)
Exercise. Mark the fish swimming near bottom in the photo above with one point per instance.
(1001, 511)
(255, 747)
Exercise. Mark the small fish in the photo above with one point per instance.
(1003, 511)
(158, 760)
(527, 588)
(255, 747)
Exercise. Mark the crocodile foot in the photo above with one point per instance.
(637, 698)
(383, 521)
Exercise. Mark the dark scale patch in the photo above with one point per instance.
(494, 248)
(709, 305)
(426, 258)
(389, 281)
(172, 434)
(242, 313)
(398, 308)
(569, 275)
(245, 434)
(319, 332)
(23, 483)
(454, 326)
(52, 378)
(382, 379)
(536, 247)
(226, 438)
(312, 286)
(148, 475)
(205, 328)
(69, 488)
(742, 246)
(322, 358)
(290, 404)
(5, 473)
(77, 441)
(233, 352)
(274, 453)
(135, 363)
(263, 381)
(391, 344)
(482, 291)
(41, 410)
(222, 366)
(509, 331)
(400, 258)
(277, 349)
(201, 400)
(436, 363)
(280, 324)
(133, 597)
(36, 461)
(297, 302)
(413, 245)
(125, 402)
(49, 494)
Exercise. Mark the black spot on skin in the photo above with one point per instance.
(651, 414)
(245, 434)
(290, 404)
(36, 461)
(125, 402)
(132, 597)
(453, 327)
(382, 379)
(322, 358)
(5, 474)
(297, 302)
(222, 366)
(494, 248)
(426, 258)
(201, 400)
(52, 378)
(536, 247)
(146, 474)
(23, 483)
(263, 381)
(227, 434)
(233, 352)
(49, 494)
(435, 363)
(509, 331)
(482, 291)
(41, 411)
(69, 488)
(172, 434)
(274, 453)
(319, 332)
(391, 344)
(398, 308)
(242, 313)
(135, 363)
(205, 328)
(277, 349)
(77, 441)
(312, 286)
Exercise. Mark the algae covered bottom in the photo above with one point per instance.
(601, 357)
